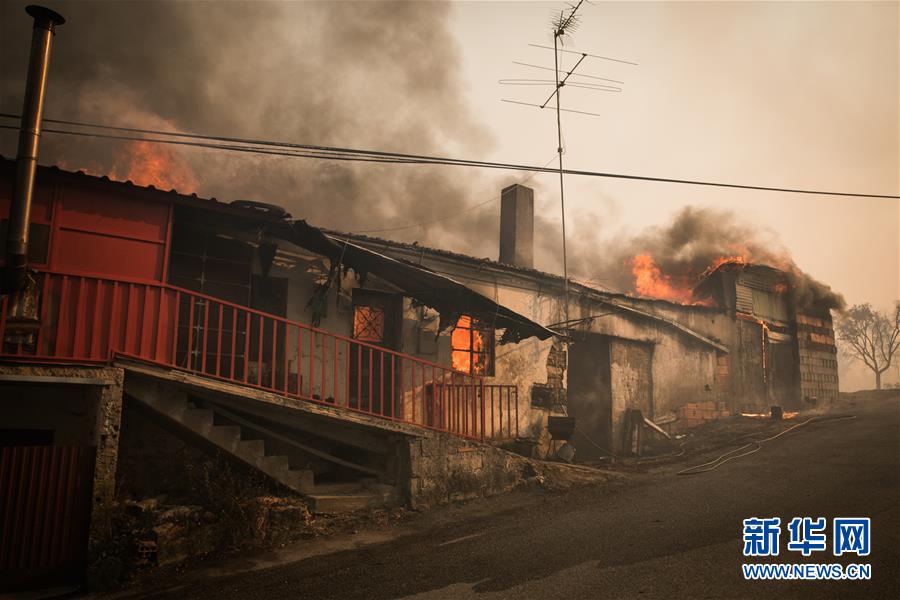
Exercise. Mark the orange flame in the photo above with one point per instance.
(144, 164)
(150, 164)
(467, 340)
(649, 280)
(735, 260)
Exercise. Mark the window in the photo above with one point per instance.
(368, 324)
(472, 343)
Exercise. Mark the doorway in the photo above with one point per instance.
(607, 376)
(590, 396)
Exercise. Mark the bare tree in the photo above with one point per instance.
(870, 336)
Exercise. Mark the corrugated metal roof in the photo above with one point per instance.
(433, 289)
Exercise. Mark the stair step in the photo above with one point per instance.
(276, 466)
(171, 405)
(299, 480)
(227, 437)
(339, 488)
(327, 498)
(251, 451)
(340, 503)
(198, 419)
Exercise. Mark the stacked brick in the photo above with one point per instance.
(818, 360)
(698, 413)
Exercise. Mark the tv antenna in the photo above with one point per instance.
(564, 24)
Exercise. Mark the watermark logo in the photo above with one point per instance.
(807, 535)
(852, 536)
(761, 536)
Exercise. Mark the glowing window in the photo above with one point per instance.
(368, 323)
(472, 343)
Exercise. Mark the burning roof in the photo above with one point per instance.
(435, 290)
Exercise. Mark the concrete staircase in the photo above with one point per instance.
(324, 498)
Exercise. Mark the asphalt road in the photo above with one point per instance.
(662, 536)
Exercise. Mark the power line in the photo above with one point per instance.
(451, 215)
(349, 154)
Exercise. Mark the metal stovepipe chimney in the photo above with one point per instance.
(45, 22)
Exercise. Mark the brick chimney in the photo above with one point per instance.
(517, 226)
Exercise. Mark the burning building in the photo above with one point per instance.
(150, 320)
(732, 337)
(352, 370)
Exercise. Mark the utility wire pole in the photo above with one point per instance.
(558, 31)
(562, 191)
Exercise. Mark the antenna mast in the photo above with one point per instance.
(559, 30)
(562, 25)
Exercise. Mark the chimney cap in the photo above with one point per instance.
(43, 13)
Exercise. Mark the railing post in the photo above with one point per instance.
(189, 360)
(285, 366)
(323, 389)
(219, 341)
(233, 339)
(259, 353)
(516, 390)
(336, 374)
(246, 347)
(174, 327)
(402, 393)
(299, 361)
(205, 336)
(274, 352)
(481, 402)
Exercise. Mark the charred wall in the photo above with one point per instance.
(817, 357)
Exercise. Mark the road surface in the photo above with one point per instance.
(662, 536)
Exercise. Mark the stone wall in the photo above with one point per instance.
(444, 469)
(153, 460)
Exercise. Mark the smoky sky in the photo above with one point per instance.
(371, 75)
(360, 74)
(685, 247)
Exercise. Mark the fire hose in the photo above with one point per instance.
(754, 446)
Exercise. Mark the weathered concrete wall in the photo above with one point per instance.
(684, 370)
(747, 369)
(445, 469)
(536, 367)
(682, 373)
(152, 459)
(631, 383)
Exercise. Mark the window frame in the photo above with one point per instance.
(487, 354)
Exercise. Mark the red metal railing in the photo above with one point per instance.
(89, 319)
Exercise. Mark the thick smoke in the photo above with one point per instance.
(358, 74)
(696, 239)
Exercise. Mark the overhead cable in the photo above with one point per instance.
(349, 154)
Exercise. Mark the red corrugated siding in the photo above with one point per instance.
(110, 235)
(45, 496)
(97, 231)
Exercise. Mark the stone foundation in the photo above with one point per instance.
(445, 469)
